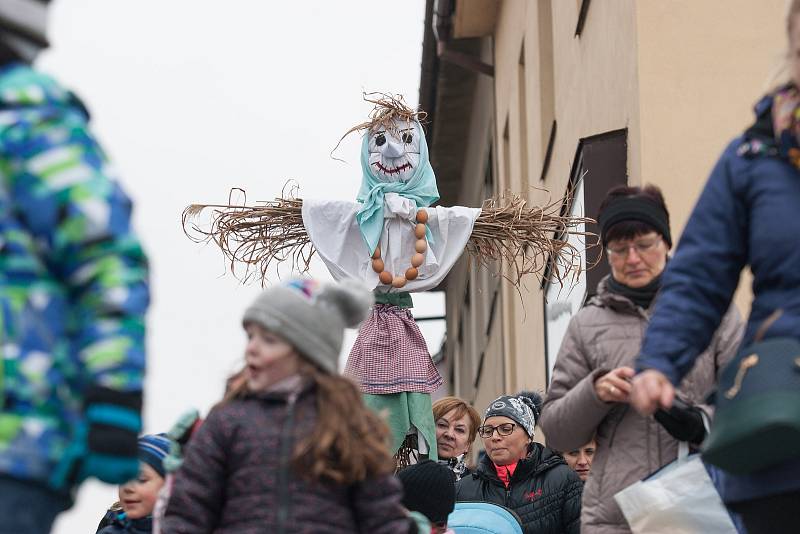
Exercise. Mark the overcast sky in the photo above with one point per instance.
(192, 98)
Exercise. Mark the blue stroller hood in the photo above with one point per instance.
(483, 518)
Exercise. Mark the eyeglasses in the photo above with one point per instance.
(642, 247)
(505, 429)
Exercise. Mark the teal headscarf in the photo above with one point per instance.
(421, 188)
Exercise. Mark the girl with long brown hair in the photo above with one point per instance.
(291, 447)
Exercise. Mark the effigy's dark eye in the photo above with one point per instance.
(407, 138)
(380, 140)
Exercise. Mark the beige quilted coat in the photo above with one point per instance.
(604, 335)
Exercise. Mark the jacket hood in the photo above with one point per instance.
(23, 87)
(762, 127)
(759, 138)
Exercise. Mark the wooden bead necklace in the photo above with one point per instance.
(421, 246)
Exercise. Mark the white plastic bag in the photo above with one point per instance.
(678, 499)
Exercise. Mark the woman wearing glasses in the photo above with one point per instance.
(589, 391)
(521, 475)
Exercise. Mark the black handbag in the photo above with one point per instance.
(757, 419)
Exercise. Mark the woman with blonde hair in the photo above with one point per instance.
(291, 448)
(457, 425)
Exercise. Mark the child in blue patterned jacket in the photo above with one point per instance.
(73, 294)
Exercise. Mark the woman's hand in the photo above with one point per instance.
(614, 386)
(651, 391)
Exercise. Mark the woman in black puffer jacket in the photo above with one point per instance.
(527, 477)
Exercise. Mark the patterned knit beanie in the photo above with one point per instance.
(429, 488)
(523, 408)
(312, 316)
(153, 448)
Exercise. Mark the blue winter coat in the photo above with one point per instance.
(73, 275)
(746, 215)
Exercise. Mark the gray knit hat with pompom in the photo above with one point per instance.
(312, 316)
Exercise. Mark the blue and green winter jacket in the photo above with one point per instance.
(73, 279)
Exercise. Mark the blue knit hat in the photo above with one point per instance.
(153, 448)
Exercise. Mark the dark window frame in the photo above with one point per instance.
(548, 154)
(607, 154)
(582, 17)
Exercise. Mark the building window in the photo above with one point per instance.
(548, 151)
(522, 96)
(505, 181)
(582, 12)
(600, 164)
(561, 303)
(547, 104)
(604, 165)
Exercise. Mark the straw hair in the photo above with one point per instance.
(387, 110)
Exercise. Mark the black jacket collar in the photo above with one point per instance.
(538, 461)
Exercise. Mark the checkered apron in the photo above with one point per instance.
(390, 355)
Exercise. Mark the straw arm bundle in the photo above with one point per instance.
(531, 240)
(528, 240)
(255, 236)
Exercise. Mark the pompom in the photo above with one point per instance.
(534, 400)
(350, 298)
(183, 428)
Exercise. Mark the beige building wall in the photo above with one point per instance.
(697, 92)
(592, 80)
(680, 75)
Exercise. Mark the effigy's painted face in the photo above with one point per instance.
(394, 155)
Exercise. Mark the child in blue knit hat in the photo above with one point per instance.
(133, 514)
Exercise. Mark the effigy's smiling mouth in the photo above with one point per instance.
(395, 170)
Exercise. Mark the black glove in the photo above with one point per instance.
(683, 422)
(105, 445)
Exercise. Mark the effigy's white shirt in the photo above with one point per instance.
(334, 232)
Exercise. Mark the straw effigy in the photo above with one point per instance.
(528, 240)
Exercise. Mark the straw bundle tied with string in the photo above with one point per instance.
(529, 240)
